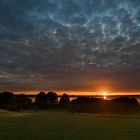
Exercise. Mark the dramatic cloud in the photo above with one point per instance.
(71, 45)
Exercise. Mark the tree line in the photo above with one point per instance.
(11, 101)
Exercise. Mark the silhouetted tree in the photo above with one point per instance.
(41, 100)
(96, 105)
(22, 101)
(14, 102)
(64, 101)
(84, 104)
(52, 99)
(125, 105)
(7, 100)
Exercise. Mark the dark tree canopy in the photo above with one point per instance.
(52, 99)
(97, 105)
(64, 101)
(48, 100)
(10, 101)
(41, 100)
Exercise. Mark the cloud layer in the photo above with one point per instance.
(70, 45)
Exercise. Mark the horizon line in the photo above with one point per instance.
(75, 93)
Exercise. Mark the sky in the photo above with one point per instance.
(70, 45)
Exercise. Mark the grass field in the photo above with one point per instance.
(58, 125)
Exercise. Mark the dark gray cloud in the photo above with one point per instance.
(70, 45)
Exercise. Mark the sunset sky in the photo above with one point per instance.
(76, 46)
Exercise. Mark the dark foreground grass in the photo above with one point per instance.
(54, 125)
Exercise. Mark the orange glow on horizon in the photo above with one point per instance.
(79, 92)
(104, 95)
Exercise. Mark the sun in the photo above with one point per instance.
(104, 95)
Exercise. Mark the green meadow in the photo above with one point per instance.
(62, 125)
